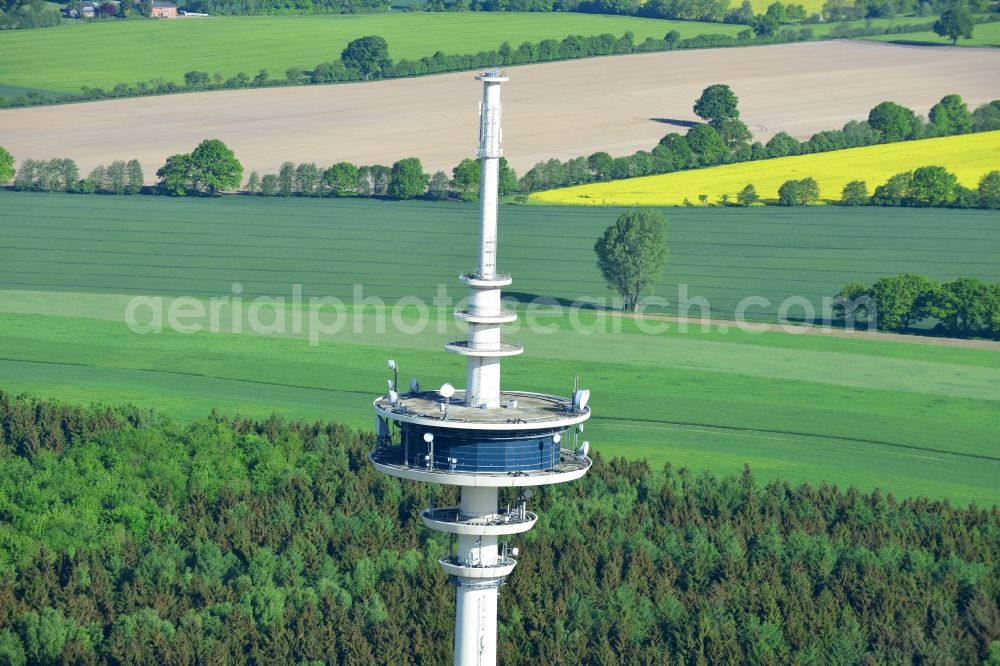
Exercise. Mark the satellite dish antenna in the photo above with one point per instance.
(582, 452)
(583, 397)
(392, 365)
(415, 385)
(515, 551)
(393, 397)
(428, 437)
(579, 428)
(528, 494)
(556, 438)
(446, 390)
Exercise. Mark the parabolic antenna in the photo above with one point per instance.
(428, 437)
(393, 397)
(528, 494)
(582, 452)
(556, 438)
(580, 399)
(415, 385)
(392, 365)
(446, 390)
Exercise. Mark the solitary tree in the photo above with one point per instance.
(407, 179)
(214, 167)
(747, 196)
(369, 55)
(855, 193)
(956, 21)
(717, 104)
(631, 253)
(6, 166)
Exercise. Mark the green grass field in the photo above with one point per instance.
(984, 34)
(909, 418)
(131, 51)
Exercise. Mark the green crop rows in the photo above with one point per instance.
(229, 45)
(909, 418)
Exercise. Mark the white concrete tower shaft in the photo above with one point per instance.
(476, 598)
(484, 315)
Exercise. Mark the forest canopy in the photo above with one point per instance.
(127, 538)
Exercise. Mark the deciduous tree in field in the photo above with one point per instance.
(631, 253)
(706, 145)
(748, 196)
(214, 167)
(174, 175)
(269, 185)
(134, 176)
(117, 178)
(369, 55)
(956, 21)
(286, 179)
(717, 104)
(900, 300)
(600, 165)
(989, 190)
(408, 179)
(465, 180)
(798, 192)
(437, 187)
(855, 193)
(932, 186)
(342, 179)
(951, 116)
(894, 122)
(852, 303)
(895, 192)
(6, 166)
(961, 305)
(253, 183)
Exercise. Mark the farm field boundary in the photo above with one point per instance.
(968, 156)
(905, 417)
(554, 110)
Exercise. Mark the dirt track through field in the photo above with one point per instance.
(617, 104)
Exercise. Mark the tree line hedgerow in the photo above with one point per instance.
(346, 70)
(925, 186)
(128, 538)
(724, 139)
(964, 307)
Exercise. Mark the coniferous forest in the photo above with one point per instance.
(126, 538)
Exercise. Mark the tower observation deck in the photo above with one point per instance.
(481, 438)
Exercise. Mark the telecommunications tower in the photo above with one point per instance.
(481, 438)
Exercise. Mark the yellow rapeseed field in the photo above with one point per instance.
(968, 156)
